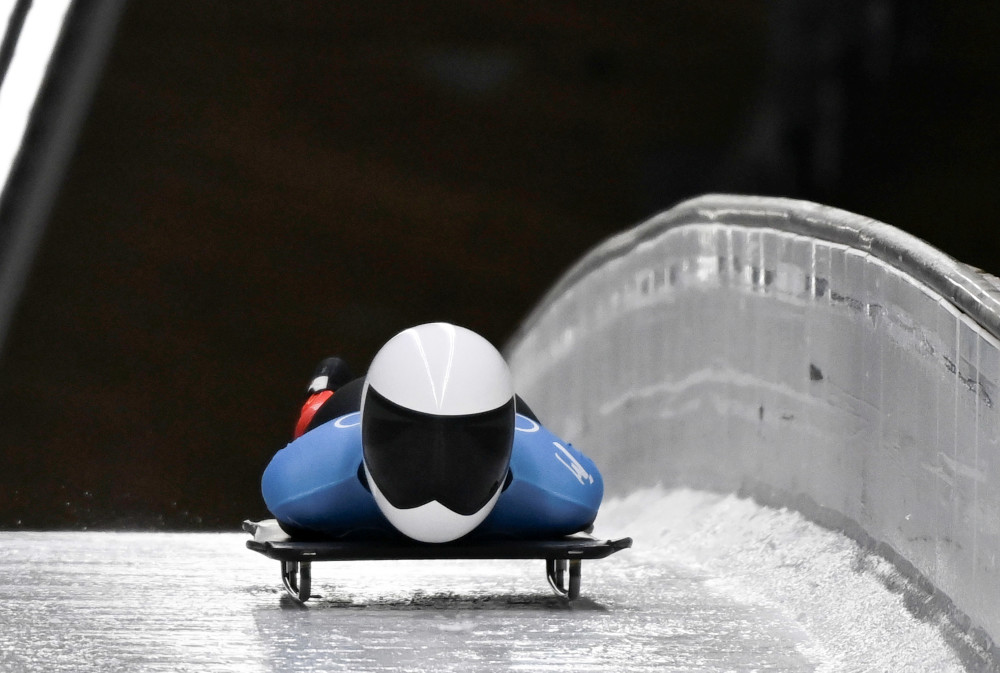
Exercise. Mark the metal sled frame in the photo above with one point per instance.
(563, 556)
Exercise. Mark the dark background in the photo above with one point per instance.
(261, 184)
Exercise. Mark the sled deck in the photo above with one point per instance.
(562, 556)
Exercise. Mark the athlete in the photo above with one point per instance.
(433, 444)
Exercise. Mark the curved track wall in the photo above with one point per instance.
(803, 355)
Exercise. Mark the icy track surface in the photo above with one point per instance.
(713, 583)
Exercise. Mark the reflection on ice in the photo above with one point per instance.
(713, 583)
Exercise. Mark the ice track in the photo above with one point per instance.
(714, 583)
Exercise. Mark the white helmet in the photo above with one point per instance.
(437, 427)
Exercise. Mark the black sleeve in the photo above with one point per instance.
(345, 401)
(524, 409)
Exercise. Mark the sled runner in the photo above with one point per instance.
(563, 556)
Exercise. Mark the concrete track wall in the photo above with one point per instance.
(803, 355)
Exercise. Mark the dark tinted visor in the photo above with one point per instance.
(414, 458)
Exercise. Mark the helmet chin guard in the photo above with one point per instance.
(432, 521)
(437, 427)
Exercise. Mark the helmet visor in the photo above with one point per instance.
(415, 458)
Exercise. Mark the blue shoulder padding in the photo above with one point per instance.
(313, 484)
(555, 490)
